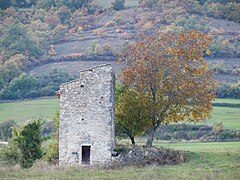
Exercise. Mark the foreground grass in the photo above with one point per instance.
(24, 110)
(203, 162)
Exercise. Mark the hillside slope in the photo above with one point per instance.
(113, 30)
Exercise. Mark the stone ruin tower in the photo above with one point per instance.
(86, 130)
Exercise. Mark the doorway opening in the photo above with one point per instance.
(86, 155)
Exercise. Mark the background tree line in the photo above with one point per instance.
(28, 38)
(45, 4)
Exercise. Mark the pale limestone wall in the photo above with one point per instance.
(87, 117)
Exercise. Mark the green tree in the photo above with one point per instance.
(28, 140)
(118, 5)
(45, 4)
(170, 69)
(19, 87)
(72, 4)
(17, 41)
(4, 4)
(64, 14)
(23, 3)
(9, 71)
(76, 4)
(132, 113)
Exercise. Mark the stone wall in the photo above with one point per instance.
(87, 117)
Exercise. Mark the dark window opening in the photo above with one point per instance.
(86, 155)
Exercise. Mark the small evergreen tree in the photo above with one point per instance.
(28, 140)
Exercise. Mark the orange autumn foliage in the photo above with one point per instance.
(170, 69)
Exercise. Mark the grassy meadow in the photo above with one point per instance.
(213, 147)
(24, 110)
(230, 117)
(45, 109)
(229, 101)
(204, 161)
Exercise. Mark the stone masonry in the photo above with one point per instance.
(86, 130)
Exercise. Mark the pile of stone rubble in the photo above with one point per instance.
(140, 156)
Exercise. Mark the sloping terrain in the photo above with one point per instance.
(73, 67)
(113, 30)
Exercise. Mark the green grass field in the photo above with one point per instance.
(222, 147)
(45, 109)
(230, 101)
(204, 161)
(25, 110)
(230, 117)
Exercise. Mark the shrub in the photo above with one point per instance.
(19, 87)
(182, 131)
(148, 3)
(229, 135)
(64, 15)
(52, 155)
(10, 154)
(28, 140)
(221, 47)
(118, 5)
(6, 129)
(229, 91)
(4, 5)
(47, 91)
(17, 40)
(27, 86)
(190, 22)
(46, 5)
(47, 129)
(104, 49)
(73, 4)
(32, 94)
(11, 69)
(229, 11)
(217, 128)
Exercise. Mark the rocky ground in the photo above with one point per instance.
(140, 156)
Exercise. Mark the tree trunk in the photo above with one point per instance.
(132, 140)
(154, 119)
(151, 136)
